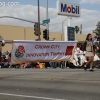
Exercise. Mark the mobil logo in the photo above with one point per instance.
(74, 9)
(68, 9)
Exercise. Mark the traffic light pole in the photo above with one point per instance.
(47, 25)
(39, 20)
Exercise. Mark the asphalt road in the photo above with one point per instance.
(49, 84)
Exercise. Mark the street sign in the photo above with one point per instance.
(71, 33)
(46, 21)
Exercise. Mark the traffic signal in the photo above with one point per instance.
(36, 29)
(45, 34)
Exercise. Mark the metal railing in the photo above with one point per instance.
(8, 41)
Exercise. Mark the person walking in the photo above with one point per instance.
(88, 48)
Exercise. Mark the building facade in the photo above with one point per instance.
(27, 33)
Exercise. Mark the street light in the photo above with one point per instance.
(39, 20)
(21, 19)
(62, 29)
(47, 25)
(62, 25)
(68, 24)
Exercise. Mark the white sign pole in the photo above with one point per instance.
(65, 33)
(69, 21)
(65, 29)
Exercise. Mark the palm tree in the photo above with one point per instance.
(76, 29)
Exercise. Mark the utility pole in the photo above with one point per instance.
(39, 20)
(47, 25)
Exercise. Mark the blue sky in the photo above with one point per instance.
(52, 3)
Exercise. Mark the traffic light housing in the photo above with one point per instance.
(45, 34)
(36, 29)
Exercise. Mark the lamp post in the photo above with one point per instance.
(20, 19)
(47, 25)
(39, 20)
(62, 25)
(62, 28)
(69, 22)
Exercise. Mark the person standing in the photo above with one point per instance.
(95, 40)
(2, 43)
(88, 48)
(98, 38)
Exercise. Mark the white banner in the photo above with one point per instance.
(27, 51)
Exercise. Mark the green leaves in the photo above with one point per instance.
(97, 30)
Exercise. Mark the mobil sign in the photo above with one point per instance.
(68, 9)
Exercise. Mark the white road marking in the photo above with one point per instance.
(26, 96)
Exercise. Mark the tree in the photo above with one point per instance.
(76, 29)
(97, 30)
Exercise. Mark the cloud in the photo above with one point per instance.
(88, 19)
(91, 1)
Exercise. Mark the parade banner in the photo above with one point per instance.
(27, 51)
